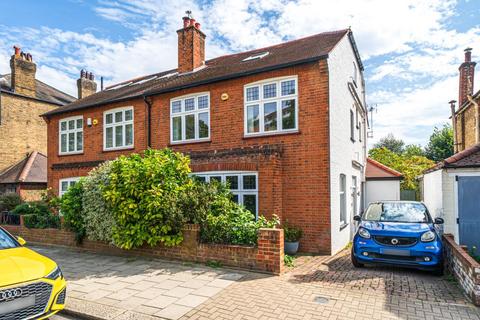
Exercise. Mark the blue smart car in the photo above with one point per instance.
(400, 233)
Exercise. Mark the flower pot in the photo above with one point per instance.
(291, 247)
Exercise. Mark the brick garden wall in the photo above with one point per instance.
(266, 257)
(463, 267)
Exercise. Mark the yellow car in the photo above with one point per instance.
(31, 285)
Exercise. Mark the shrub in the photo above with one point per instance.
(10, 201)
(98, 217)
(32, 208)
(143, 193)
(37, 221)
(71, 210)
(292, 233)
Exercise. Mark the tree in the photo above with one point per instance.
(413, 150)
(411, 166)
(440, 145)
(391, 143)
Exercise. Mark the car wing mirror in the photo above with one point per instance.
(357, 218)
(438, 221)
(21, 241)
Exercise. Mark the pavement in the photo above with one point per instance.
(319, 287)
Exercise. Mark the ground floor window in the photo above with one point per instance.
(65, 184)
(243, 185)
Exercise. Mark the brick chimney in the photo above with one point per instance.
(191, 45)
(467, 71)
(23, 73)
(86, 84)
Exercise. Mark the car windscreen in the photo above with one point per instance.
(6, 242)
(397, 212)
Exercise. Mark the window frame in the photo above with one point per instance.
(342, 181)
(240, 191)
(67, 131)
(69, 181)
(278, 99)
(352, 125)
(195, 112)
(123, 123)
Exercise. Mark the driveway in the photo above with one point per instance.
(319, 287)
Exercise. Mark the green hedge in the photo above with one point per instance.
(36, 221)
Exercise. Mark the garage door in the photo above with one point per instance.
(469, 211)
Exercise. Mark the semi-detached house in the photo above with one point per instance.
(285, 126)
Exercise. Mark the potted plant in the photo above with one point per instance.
(292, 237)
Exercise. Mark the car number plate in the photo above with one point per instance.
(396, 252)
(17, 304)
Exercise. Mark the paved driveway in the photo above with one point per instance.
(318, 288)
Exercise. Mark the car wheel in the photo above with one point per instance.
(355, 262)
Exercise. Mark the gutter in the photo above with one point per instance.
(191, 84)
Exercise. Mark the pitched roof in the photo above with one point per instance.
(468, 158)
(376, 170)
(289, 53)
(43, 92)
(31, 169)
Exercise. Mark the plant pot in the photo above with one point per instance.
(291, 247)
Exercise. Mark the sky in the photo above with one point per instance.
(411, 49)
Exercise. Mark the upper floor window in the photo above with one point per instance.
(190, 118)
(65, 184)
(243, 185)
(271, 106)
(71, 135)
(343, 199)
(118, 129)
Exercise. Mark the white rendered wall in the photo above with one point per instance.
(342, 150)
(378, 190)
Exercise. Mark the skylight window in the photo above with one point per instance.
(256, 56)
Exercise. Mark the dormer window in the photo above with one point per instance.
(257, 56)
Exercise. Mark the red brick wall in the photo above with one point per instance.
(293, 183)
(267, 257)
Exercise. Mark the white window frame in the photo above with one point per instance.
(261, 101)
(70, 181)
(240, 191)
(182, 114)
(67, 131)
(343, 199)
(114, 124)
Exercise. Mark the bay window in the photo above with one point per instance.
(243, 185)
(118, 129)
(71, 135)
(190, 118)
(271, 106)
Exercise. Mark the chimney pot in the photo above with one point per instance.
(197, 25)
(17, 50)
(186, 21)
(192, 22)
(468, 54)
(23, 72)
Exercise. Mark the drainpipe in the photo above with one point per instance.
(454, 126)
(148, 105)
(477, 129)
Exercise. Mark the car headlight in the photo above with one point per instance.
(428, 236)
(55, 274)
(362, 232)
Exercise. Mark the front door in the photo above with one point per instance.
(469, 211)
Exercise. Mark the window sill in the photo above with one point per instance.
(70, 154)
(181, 143)
(263, 135)
(343, 226)
(119, 149)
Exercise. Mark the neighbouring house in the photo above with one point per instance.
(23, 99)
(451, 188)
(382, 182)
(285, 125)
(27, 178)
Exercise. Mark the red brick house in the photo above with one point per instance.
(285, 125)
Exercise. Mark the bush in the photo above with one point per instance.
(292, 233)
(98, 217)
(37, 221)
(71, 210)
(143, 193)
(32, 208)
(9, 201)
